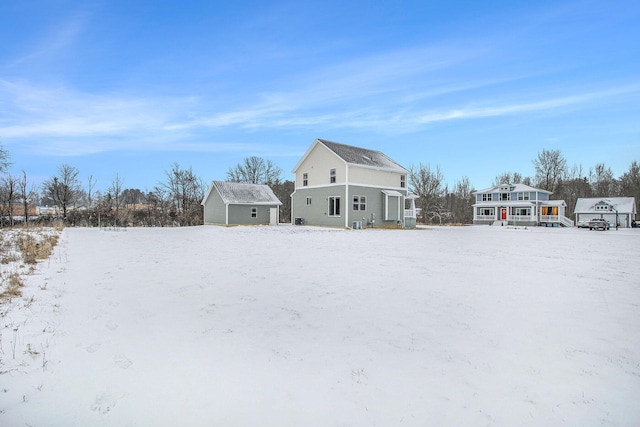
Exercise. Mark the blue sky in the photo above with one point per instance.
(477, 88)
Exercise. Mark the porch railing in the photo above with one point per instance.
(410, 213)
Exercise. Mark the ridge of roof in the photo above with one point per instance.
(362, 156)
(245, 193)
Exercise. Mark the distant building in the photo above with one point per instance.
(518, 204)
(614, 210)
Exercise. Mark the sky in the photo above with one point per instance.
(127, 89)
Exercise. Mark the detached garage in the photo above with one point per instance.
(234, 203)
(614, 210)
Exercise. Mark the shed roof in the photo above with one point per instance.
(620, 204)
(244, 194)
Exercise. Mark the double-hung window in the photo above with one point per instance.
(308, 200)
(254, 212)
(332, 176)
(359, 203)
(486, 197)
(305, 179)
(403, 181)
(334, 206)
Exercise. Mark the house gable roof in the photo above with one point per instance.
(243, 194)
(620, 204)
(357, 156)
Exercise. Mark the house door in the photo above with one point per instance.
(503, 213)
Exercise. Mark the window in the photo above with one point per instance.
(486, 197)
(521, 211)
(403, 181)
(602, 207)
(332, 176)
(334, 206)
(308, 201)
(524, 195)
(504, 196)
(359, 203)
(486, 211)
(305, 179)
(254, 212)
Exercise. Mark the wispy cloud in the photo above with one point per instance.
(55, 39)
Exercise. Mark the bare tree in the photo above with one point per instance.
(91, 183)
(255, 170)
(574, 186)
(115, 197)
(551, 167)
(5, 159)
(429, 186)
(8, 191)
(463, 208)
(602, 181)
(24, 195)
(630, 183)
(186, 191)
(508, 178)
(64, 188)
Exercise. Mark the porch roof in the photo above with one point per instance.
(507, 203)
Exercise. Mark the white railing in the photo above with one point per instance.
(566, 221)
(556, 219)
(520, 218)
(410, 213)
(485, 217)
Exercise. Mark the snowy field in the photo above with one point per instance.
(300, 326)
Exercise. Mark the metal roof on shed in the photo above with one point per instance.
(245, 194)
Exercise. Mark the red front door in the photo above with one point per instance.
(504, 213)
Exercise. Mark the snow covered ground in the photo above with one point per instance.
(301, 326)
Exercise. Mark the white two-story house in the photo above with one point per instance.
(518, 204)
(345, 186)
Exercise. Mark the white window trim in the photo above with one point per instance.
(333, 215)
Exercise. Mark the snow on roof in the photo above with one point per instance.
(620, 204)
(363, 156)
(512, 188)
(243, 193)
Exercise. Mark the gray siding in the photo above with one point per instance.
(316, 214)
(214, 209)
(241, 214)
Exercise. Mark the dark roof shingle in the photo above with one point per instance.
(362, 156)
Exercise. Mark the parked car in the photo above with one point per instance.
(598, 224)
(635, 224)
(583, 223)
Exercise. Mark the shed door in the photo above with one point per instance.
(273, 216)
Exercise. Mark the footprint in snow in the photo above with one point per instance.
(122, 361)
(111, 325)
(106, 400)
(93, 347)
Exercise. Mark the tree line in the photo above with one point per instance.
(176, 200)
